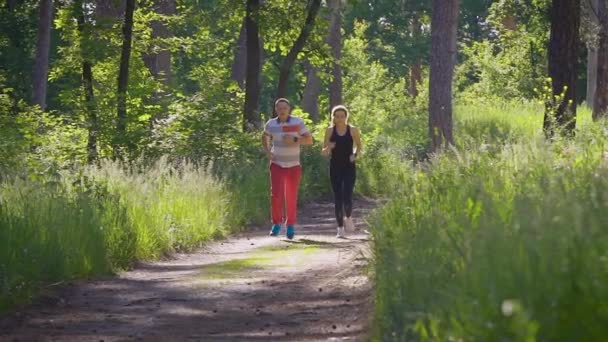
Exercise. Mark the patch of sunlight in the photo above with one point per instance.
(259, 259)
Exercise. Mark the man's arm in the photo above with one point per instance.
(305, 139)
(327, 145)
(305, 136)
(266, 144)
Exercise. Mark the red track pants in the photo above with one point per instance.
(284, 184)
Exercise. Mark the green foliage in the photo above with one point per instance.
(104, 220)
(378, 103)
(509, 67)
(18, 27)
(511, 61)
(389, 33)
(498, 241)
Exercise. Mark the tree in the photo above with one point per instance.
(600, 102)
(158, 60)
(43, 46)
(335, 42)
(563, 57)
(312, 89)
(592, 52)
(239, 65)
(87, 82)
(252, 119)
(392, 41)
(444, 23)
(123, 74)
(312, 11)
(416, 68)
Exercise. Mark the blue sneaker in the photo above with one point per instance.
(276, 229)
(290, 232)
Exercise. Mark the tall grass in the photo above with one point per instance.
(103, 221)
(486, 243)
(106, 217)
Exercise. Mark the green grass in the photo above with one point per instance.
(260, 258)
(104, 218)
(103, 221)
(502, 239)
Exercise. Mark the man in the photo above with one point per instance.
(281, 140)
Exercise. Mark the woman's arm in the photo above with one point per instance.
(357, 141)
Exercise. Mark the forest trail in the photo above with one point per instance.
(249, 287)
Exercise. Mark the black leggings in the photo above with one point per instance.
(343, 183)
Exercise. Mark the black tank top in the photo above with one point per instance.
(340, 155)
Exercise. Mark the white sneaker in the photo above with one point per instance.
(349, 224)
(340, 233)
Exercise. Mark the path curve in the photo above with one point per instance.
(249, 287)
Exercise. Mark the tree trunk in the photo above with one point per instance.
(252, 119)
(109, 10)
(592, 69)
(415, 79)
(290, 59)
(87, 84)
(43, 46)
(444, 23)
(335, 42)
(600, 103)
(509, 22)
(310, 99)
(239, 65)
(592, 52)
(123, 76)
(563, 56)
(87, 81)
(416, 69)
(11, 5)
(159, 63)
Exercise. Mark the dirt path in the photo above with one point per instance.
(250, 287)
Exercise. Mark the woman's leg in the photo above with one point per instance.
(350, 175)
(277, 192)
(337, 182)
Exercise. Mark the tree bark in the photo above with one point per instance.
(285, 69)
(159, 63)
(416, 68)
(312, 89)
(592, 52)
(563, 57)
(109, 10)
(87, 84)
(592, 69)
(43, 47)
(123, 75)
(252, 119)
(11, 5)
(335, 42)
(444, 23)
(600, 103)
(239, 65)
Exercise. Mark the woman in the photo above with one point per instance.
(343, 142)
(281, 141)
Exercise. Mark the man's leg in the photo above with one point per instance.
(277, 192)
(292, 185)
